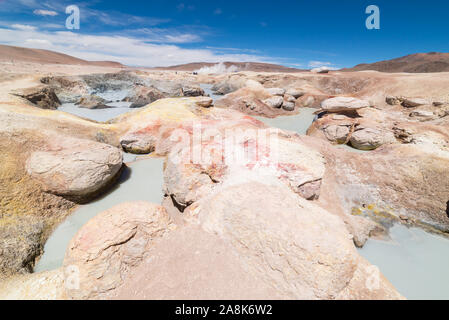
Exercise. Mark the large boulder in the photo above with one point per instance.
(141, 96)
(78, 169)
(342, 104)
(192, 91)
(255, 240)
(103, 259)
(371, 138)
(92, 102)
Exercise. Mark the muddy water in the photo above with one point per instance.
(414, 261)
(100, 115)
(298, 123)
(141, 181)
(208, 90)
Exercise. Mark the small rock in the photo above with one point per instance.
(288, 106)
(414, 102)
(392, 100)
(422, 113)
(336, 133)
(138, 143)
(296, 93)
(370, 139)
(274, 102)
(192, 91)
(204, 102)
(276, 91)
(289, 98)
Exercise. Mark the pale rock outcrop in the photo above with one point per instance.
(77, 169)
(103, 259)
(37, 286)
(342, 104)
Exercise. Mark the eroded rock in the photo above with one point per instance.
(104, 258)
(341, 104)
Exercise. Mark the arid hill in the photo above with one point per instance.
(414, 63)
(242, 66)
(47, 57)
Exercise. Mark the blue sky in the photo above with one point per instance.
(301, 33)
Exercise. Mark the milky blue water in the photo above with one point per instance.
(414, 261)
(142, 181)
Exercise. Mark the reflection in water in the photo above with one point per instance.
(141, 181)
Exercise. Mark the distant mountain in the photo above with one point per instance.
(11, 53)
(414, 63)
(241, 66)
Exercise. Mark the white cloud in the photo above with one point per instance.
(127, 50)
(38, 41)
(45, 13)
(23, 27)
(159, 35)
(218, 11)
(317, 64)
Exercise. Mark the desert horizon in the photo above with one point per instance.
(198, 153)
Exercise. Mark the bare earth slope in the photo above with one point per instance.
(414, 63)
(8, 53)
(242, 66)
